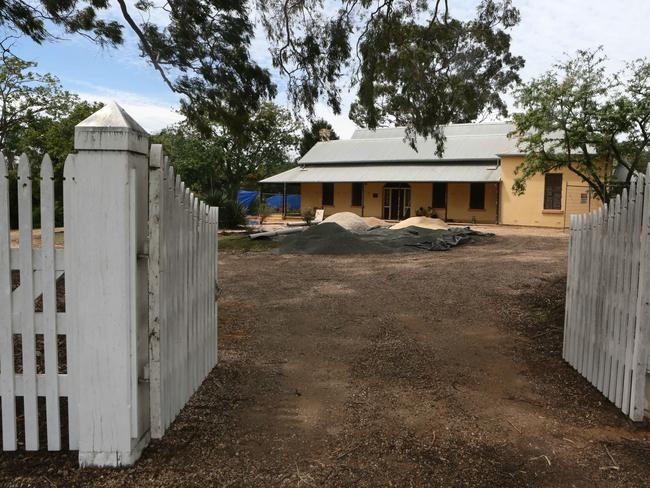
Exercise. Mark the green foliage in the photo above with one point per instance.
(232, 214)
(264, 211)
(411, 61)
(198, 160)
(215, 166)
(218, 163)
(74, 16)
(308, 215)
(38, 118)
(207, 42)
(312, 135)
(243, 243)
(55, 135)
(201, 48)
(580, 117)
(25, 96)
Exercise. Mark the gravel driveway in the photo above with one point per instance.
(427, 369)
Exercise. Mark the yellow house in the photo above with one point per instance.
(377, 174)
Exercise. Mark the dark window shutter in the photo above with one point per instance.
(357, 194)
(328, 194)
(477, 196)
(439, 195)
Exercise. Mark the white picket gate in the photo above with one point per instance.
(138, 332)
(40, 367)
(182, 284)
(608, 297)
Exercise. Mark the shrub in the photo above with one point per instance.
(426, 212)
(308, 215)
(232, 214)
(264, 211)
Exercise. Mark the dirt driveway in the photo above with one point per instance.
(427, 369)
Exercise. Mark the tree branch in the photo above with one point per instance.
(146, 47)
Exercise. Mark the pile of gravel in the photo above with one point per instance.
(331, 238)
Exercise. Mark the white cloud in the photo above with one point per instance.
(549, 30)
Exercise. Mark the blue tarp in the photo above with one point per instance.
(247, 199)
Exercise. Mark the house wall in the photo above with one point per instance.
(458, 204)
(311, 195)
(528, 209)
(373, 199)
(421, 196)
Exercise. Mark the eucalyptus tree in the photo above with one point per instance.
(581, 117)
(216, 165)
(410, 62)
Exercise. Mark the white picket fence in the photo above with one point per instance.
(138, 331)
(30, 339)
(608, 297)
(182, 284)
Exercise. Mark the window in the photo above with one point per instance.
(553, 191)
(439, 195)
(357, 194)
(477, 196)
(328, 194)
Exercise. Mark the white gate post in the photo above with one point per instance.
(108, 283)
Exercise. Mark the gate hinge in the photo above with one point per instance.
(145, 375)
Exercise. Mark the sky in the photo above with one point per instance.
(549, 31)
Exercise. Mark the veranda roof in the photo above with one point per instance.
(372, 173)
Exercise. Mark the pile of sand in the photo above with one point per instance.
(348, 220)
(375, 222)
(424, 222)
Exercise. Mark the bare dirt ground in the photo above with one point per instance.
(422, 369)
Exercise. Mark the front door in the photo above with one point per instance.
(397, 202)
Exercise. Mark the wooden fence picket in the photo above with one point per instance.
(7, 379)
(71, 300)
(50, 339)
(603, 375)
(631, 295)
(619, 319)
(28, 335)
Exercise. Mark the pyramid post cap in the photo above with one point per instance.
(111, 128)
